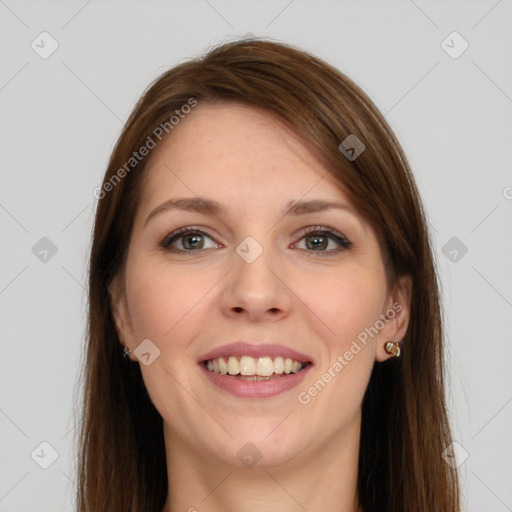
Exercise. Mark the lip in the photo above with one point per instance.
(242, 348)
(255, 389)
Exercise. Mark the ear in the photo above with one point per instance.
(120, 312)
(398, 311)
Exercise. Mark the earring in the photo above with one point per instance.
(392, 347)
(126, 352)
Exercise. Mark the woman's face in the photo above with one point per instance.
(262, 269)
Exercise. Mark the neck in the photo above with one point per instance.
(325, 479)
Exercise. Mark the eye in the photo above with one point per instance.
(319, 239)
(187, 239)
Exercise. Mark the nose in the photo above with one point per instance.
(256, 290)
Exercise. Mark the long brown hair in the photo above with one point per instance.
(405, 425)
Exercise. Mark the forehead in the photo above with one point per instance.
(236, 153)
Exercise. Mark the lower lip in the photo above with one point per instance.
(258, 388)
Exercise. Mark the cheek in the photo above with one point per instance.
(348, 302)
(162, 300)
(169, 307)
(345, 301)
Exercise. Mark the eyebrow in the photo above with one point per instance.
(209, 206)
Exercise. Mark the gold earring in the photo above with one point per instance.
(392, 347)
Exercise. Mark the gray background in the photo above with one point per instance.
(61, 116)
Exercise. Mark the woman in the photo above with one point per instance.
(264, 327)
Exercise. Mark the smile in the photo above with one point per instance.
(250, 377)
(254, 369)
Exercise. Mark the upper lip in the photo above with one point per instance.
(242, 348)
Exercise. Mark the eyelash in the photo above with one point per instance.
(344, 243)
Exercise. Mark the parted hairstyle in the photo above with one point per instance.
(405, 427)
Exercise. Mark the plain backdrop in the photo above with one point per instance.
(61, 114)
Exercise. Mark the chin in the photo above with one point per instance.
(260, 447)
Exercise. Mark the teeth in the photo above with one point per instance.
(250, 366)
(247, 365)
(223, 366)
(233, 366)
(265, 366)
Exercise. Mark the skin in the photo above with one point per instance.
(188, 304)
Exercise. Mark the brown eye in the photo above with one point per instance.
(323, 241)
(187, 240)
(192, 241)
(315, 242)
